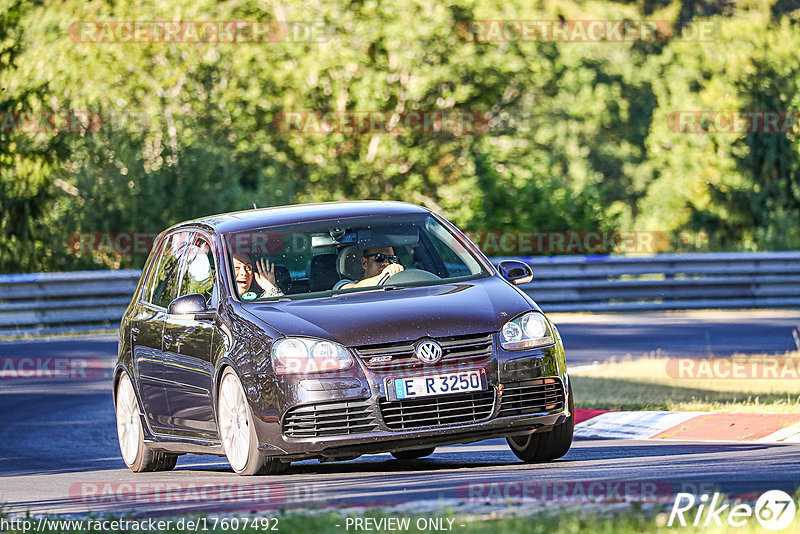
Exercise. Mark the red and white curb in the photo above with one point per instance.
(688, 426)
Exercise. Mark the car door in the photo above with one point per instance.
(147, 330)
(188, 346)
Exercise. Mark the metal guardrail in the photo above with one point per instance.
(666, 281)
(80, 301)
(50, 303)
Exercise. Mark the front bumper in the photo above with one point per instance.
(350, 414)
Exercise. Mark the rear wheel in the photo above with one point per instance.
(413, 454)
(237, 431)
(545, 446)
(131, 436)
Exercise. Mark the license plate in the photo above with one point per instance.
(430, 385)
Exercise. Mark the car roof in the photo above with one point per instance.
(300, 213)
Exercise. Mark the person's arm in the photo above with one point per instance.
(344, 284)
(389, 270)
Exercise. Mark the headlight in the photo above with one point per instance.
(303, 355)
(526, 332)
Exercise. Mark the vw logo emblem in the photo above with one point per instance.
(428, 351)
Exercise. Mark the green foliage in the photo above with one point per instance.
(578, 139)
(740, 188)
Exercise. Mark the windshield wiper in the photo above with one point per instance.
(389, 288)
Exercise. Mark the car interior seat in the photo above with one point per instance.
(348, 263)
(283, 279)
(322, 274)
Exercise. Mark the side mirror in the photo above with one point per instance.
(188, 305)
(516, 272)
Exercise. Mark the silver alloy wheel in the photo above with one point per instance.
(234, 422)
(129, 424)
(520, 442)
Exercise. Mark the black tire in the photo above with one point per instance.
(545, 446)
(413, 454)
(257, 463)
(152, 461)
(145, 460)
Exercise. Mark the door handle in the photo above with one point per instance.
(134, 333)
(167, 341)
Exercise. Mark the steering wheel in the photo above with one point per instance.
(408, 276)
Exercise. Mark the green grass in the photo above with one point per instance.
(644, 384)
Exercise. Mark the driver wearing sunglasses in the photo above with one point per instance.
(378, 264)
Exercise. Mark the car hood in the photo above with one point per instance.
(386, 316)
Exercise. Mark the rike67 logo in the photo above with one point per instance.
(774, 510)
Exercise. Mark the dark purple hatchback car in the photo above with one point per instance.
(329, 331)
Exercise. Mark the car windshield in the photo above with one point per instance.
(335, 256)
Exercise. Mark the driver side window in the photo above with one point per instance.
(165, 284)
(200, 273)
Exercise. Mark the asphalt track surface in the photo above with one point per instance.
(59, 451)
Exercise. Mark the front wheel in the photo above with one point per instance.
(237, 431)
(545, 446)
(131, 437)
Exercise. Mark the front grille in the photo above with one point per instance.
(434, 411)
(461, 350)
(329, 419)
(535, 396)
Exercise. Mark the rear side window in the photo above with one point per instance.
(165, 284)
(152, 266)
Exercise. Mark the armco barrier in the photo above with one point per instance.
(665, 281)
(56, 302)
(49, 303)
